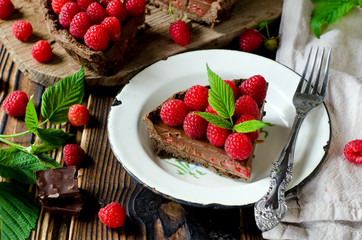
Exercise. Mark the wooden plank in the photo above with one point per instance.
(154, 45)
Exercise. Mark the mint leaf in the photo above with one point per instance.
(44, 147)
(328, 11)
(360, 3)
(18, 212)
(31, 117)
(216, 120)
(53, 136)
(19, 165)
(47, 161)
(221, 97)
(250, 126)
(57, 99)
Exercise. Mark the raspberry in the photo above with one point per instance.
(256, 87)
(96, 38)
(217, 135)
(105, 2)
(96, 13)
(83, 4)
(180, 32)
(42, 51)
(250, 40)
(113, 28)
(78, 115)
(194, 125)
(15, 103)
(79, 25)
(238, 146)
(234, 88)
(246, 105)
(173, 112)
(22, 30)
(73, 155)
(112, 215)
(209, 109)
(6, 8)
(246, 117)
(58, 4)
(196, 98)
(116, 9)
(135, 7)
(68, 11)
(353, 151)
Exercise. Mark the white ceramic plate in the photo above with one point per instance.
(193, 184)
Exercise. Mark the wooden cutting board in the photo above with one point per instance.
(154, 44)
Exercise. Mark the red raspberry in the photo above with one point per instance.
(15, 103)
(353, 151)
(116, 9)
(68, 11)
(58, 4)
(112, 215)
(238, 146)
(96, 13)
(96, 38)
(250, 40)
(173, 112)
(246, 105)
(78, 115)
(196, 98)
(256, 87)
(113, 28)
(6, 8)
(194, 125)
(234, 88)
(180, 32)
(135, 7)
(73, 155)
(209, 109)
(246, 117)
(83, 4)
(105, 2)
(217, 135)
(79, 25)
(42, 51)
(22, 30)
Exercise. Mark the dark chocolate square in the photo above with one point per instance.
(70, 206)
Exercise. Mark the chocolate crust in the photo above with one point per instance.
(163, 149)
(105, 62)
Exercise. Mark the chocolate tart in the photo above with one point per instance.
(209, 12)
(173, 142)
(105, 62)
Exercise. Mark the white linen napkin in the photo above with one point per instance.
(329, 205)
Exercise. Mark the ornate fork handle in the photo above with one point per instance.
(270, 209)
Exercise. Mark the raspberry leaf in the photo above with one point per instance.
(44, 147)
(18, 212)
(47, 161)
(57, 99)
(216, 120)
(53, 136)
(329, 11)
(221, 97)
(31, 117)
(250, 126)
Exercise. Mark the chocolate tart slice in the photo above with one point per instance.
(105, 62)
(173, 142)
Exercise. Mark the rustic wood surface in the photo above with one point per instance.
(246, 13)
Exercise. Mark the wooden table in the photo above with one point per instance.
(149, 216)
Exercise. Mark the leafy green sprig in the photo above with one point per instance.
(221, 99)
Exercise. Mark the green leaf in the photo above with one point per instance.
(47, 161)
(250, 126)
(221, 97)
(31, 117)
(216, 120)
(57, 99)
(262, 24)
(53, 136)
(327, 12)
(360, 3)
(18, 212)
(45, 147)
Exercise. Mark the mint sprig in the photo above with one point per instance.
(329, 11)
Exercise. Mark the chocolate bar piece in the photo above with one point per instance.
(57, 182)
(70, 206)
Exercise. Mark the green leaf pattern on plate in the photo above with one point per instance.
(184, 168)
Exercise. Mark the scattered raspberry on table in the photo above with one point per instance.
(112, 215)
(73, 155)
(15, 103)
(78, 115)
(180, 32)
(41, 51)
(250, 40)
(353, 151)
(6, 9)
(22, 30)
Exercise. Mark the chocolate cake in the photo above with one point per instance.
(173, 142)
(210, 12)
(105, 62)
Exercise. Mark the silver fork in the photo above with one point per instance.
(271, 208)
